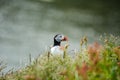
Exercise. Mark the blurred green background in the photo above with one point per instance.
(28, 26)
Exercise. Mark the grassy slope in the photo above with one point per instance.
(94, 62)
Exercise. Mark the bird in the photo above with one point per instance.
(57, 49)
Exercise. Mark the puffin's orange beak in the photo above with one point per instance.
(65, 38)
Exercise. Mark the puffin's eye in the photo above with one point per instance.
(60, 36)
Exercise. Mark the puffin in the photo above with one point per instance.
(57, 49)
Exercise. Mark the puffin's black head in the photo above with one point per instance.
(58, 38)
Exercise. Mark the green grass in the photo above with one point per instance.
(93, 62)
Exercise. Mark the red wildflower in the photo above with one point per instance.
(82, 70)
(94, 51)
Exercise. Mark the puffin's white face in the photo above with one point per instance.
(59, 38)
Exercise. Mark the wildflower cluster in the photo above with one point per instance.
(97, 61)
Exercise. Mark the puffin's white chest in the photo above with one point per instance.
(56, 50)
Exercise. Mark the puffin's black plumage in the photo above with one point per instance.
(56, 43)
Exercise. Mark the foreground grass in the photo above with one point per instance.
(93, 62)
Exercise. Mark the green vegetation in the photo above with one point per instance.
(93, 62)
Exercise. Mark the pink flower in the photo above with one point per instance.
(94, 52)
(82, 70)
